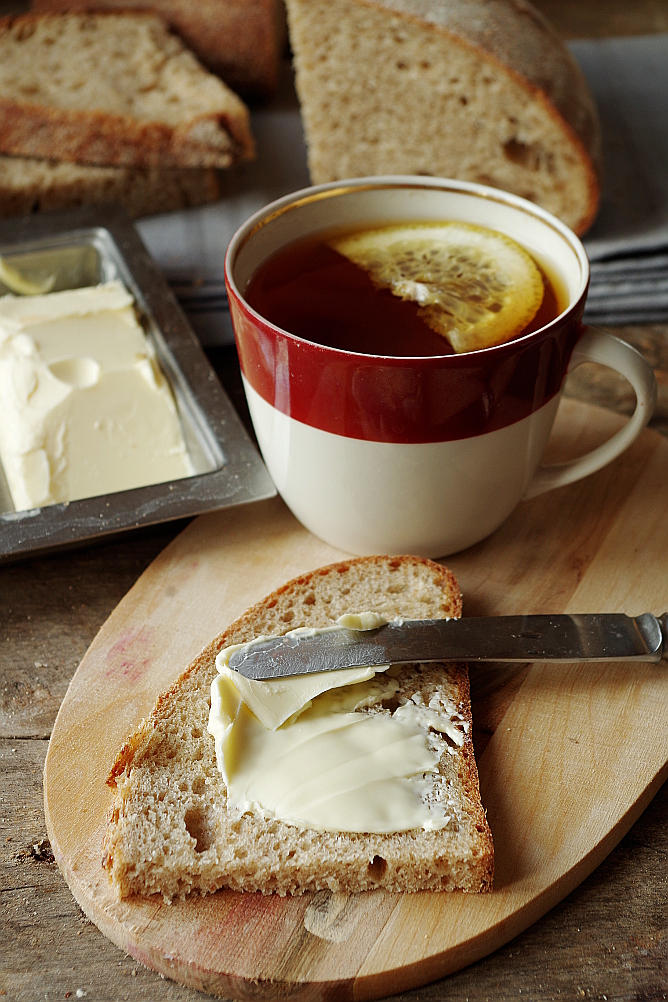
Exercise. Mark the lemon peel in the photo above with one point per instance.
(21, 285)
(473, 286)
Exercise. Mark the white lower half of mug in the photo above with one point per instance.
(429, 499)
(434, 498)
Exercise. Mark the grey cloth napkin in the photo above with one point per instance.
(628, 244)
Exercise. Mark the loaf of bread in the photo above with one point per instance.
(240, 40)
(113, 89)
(28, 186)
(170, 831)
(480, 90)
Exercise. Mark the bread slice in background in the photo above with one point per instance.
(113, 89)
(170, 831)
(240, 40)
(28, 186)
(480, 90)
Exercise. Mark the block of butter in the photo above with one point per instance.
(85, 408)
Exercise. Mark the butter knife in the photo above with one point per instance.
(599, 637)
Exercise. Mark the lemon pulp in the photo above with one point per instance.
(473, 286)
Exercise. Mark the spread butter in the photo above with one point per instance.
(322, 751)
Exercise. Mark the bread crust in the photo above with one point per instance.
(28, 186)
(519, 40)
(95, 136)
(346, 862)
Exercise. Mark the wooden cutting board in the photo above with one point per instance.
(568, 756)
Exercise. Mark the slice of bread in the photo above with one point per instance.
(113, 89)
(480, 90)
(240, 40)
(28, 186)
(170, 830)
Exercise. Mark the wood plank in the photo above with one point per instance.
(52, 608)
(566, 770)
(47, 945)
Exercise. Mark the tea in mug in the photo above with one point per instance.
(407, 289)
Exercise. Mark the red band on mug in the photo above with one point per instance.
(436, 399)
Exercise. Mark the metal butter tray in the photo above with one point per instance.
(99, 244)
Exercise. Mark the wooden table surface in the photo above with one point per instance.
(608, 940)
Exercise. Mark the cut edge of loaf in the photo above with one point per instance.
(476, 28)
(285, 855)
(586, 140)
(219, 138)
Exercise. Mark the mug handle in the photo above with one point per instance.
(599, 346)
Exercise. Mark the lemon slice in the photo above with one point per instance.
(475, 287)
(16, 282)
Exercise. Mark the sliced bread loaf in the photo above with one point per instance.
(28, 185)
(240, 40)
(481, 90)
(170, 830)
(113, 89)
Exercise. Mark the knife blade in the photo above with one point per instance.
(596, 637)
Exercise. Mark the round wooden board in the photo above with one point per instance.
(568, 756)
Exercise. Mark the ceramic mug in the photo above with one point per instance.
(379, 454)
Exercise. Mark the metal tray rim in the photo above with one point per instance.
(241, 476)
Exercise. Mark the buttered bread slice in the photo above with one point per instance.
(174, 829)
(113, 89)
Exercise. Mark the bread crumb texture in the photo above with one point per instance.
(113, 89)
(170, 831)
(479, 90)
(241, 41)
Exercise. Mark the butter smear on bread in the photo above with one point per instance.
(298, 748)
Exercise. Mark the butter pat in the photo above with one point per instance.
(361, 621)
(86, 409)
(322, 751)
